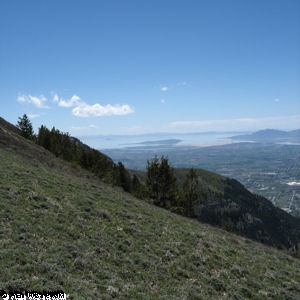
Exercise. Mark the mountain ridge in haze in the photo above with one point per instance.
(271, 136)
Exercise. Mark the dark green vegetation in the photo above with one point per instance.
(161, 183)
(264, 169)
(64, 146)
(224, 202)
(25, 126)
(64, 228)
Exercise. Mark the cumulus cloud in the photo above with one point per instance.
(39, 102)
(71, 102)
(98, 110)
(80, 108)
(55, 98)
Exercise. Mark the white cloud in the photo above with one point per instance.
(276, 100)
(97, 110)
(164, 88)
(280, 122)
(55, 98)
(73, 101)
(162, 101)
(22, 99)
(39, 102)
(33, 116)
(80, 108)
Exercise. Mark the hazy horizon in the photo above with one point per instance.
(160, 139)
(102, 142)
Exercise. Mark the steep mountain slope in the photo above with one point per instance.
(62, 228)
(8, 127)
(228, 204)
(253, 216)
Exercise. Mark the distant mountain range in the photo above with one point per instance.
(270, 136)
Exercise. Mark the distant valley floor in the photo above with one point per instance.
(270, 170)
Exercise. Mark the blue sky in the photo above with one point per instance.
(92, 67)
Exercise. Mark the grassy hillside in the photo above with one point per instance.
(62, 228)
(226, 203)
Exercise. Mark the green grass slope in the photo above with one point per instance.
(226, 203)
(61, 228)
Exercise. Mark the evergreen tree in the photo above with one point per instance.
(71, 149)
(137, 188)
(152, 180)
(161, 182)
(122, 177)
(167, 183)
(192, 191)
(43, 137)
(25, 126)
